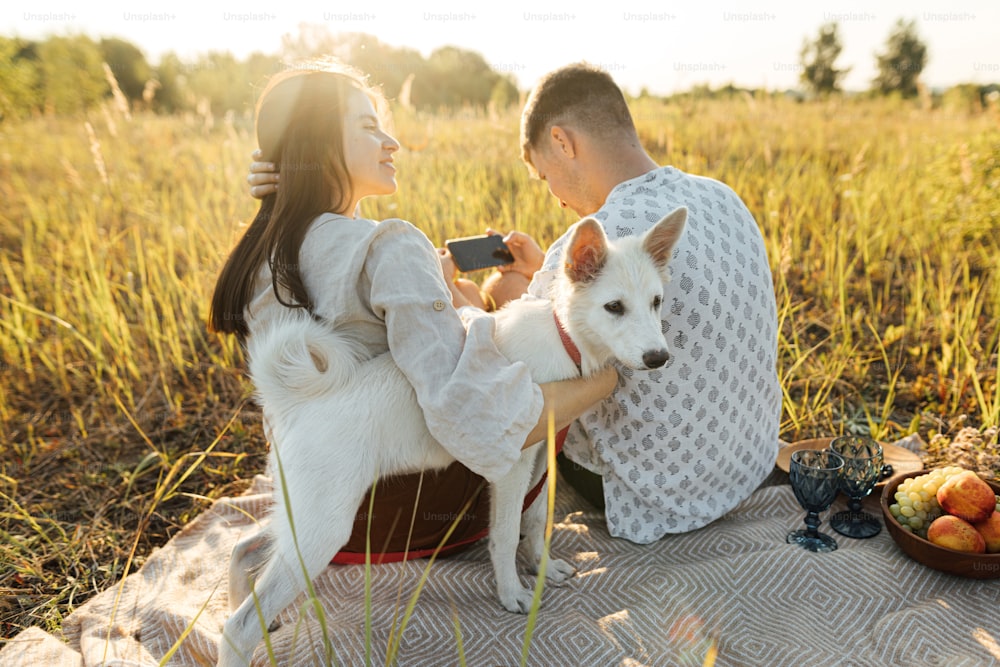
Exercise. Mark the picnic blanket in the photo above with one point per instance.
(734, 588)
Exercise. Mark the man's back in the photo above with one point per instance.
(681, 446)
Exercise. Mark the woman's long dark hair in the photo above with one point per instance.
(300, 128)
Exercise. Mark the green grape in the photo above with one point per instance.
(916, 505)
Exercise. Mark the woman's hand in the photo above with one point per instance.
(448, 268)
(263, 176)
(463, 292)
(569, 399)
(528, 255)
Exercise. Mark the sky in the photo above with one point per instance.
(664, 47)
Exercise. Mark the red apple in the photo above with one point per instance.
(954, 533)
(967, 496)
(989, 528)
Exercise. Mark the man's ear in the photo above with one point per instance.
(563, 140)
(586, 251)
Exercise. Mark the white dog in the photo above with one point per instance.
(338, 420)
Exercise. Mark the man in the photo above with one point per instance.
(675, 448)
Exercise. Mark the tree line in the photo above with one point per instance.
(69, 74)
(898, 66)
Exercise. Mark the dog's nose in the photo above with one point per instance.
(655, 358)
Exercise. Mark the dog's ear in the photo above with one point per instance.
(586, 251)
(660, 240)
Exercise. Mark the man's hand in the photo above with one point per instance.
(263, 177)
(528, 255)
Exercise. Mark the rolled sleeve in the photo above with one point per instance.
(478, 404)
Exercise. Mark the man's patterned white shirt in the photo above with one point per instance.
(680, 446)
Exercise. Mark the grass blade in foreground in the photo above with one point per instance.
(550, 464)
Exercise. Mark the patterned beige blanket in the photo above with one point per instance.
(735, 589)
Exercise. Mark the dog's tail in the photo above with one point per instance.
(295, 359)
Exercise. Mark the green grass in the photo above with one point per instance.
(122, 417)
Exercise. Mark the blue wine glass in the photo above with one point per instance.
(815, 477)
(862, 470)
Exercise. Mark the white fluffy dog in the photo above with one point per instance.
(337, 420)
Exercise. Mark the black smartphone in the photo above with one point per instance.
(472, 253)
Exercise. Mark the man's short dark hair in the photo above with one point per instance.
(578, 95)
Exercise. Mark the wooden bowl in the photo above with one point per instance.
(963, 564)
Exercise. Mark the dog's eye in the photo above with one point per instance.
(614, 307)
(656, 302)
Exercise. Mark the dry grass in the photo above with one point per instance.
(121, 416)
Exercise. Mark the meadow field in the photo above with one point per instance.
(122, 416)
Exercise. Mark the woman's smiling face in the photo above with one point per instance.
(368, 150)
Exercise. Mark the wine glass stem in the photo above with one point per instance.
(812, 523)
(854, 505)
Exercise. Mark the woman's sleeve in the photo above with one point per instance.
(479, 405)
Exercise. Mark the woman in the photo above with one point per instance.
(382, 284)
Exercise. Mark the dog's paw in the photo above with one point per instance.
(559, 571)
(556, 572)
(519, 601)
